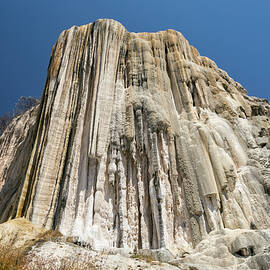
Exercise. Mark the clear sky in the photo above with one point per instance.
(233, 33)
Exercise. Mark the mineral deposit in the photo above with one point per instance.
(139, 142)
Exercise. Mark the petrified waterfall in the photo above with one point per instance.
(138, 142)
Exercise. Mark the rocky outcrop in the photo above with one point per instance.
(229, 249)
(15, 148)
(36, 248)
(17, 233)
(139, 143)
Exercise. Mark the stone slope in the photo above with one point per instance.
(139, 142)
(36, 248)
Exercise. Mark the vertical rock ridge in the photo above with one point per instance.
(139, 142)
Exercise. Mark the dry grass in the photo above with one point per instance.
(50, 235)
(143, 257)
(16, 260)
(65, 265)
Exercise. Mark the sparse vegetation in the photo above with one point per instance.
(23, 104)
(143, 257)
(16, 260)
(10, 260)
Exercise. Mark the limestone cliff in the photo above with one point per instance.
(138, 142)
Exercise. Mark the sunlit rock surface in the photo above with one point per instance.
(139, 142)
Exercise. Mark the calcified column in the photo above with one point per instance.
(139, 142)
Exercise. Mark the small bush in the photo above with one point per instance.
(143, 257)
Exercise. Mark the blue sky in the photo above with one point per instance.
(234, 33)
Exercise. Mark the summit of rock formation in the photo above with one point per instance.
(139, 142)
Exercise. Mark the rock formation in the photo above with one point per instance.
(139, 142)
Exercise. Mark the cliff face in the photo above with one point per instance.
(139, 142)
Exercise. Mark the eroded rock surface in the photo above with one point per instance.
(15, 148)
(139, 143)
(225, 249)
(229, 249)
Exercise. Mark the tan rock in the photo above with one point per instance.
(17, 233)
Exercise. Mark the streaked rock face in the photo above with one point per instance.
(139, 142)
